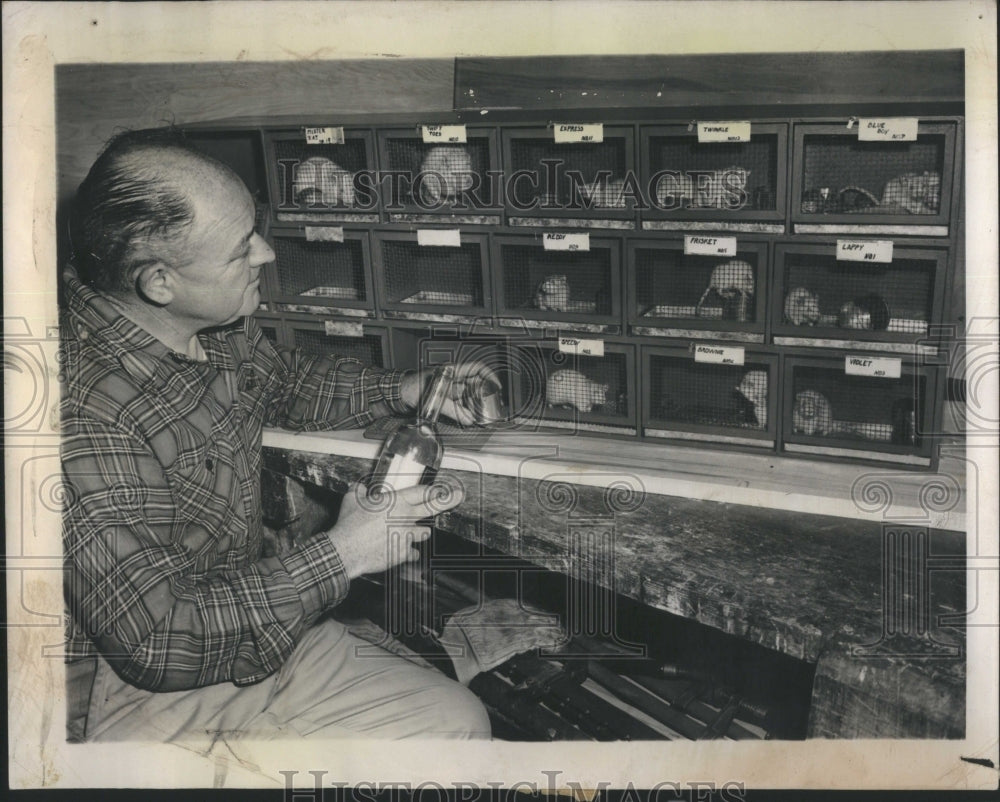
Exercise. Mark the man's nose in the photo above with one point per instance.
(260, 251)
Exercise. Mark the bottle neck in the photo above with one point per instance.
(436, 394)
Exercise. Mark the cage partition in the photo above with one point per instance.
(314, 337)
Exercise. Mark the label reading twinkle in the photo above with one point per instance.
(699, 244)
(325, 136)
(732, 131)
(573, 345)
(578, 132)
(566, 242)
(442, 238)
(888, 129)
(342, 328)
(876, 250)
(880, 367)
(719, 354)
(452, 134)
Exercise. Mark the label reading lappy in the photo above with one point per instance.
(876, 250)
(709, 246)
(888, 129)
(446, 238)
(880, 367)
(578, 132)
(731, 131)
(325, 136)
(343, 328)
(552, 241)
(719, 354)
(573, 345)
(443, 133)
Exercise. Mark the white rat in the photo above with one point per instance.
(609, 195)
(729, 280)
(319, 180)
(753, 387)
(916, 193)
(802, 307)
(813, 415)
(572, 388)
(454, 165)
(552, 293)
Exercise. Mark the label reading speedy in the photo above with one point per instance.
(719, 354)
(888, 129)
(731, 131)
(573, 345)
(850, 250)
(566, 242)
(443, 133)
(578, 132)
(709, 246)
(880, 367)
(325, 136)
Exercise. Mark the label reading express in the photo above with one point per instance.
(578, 132)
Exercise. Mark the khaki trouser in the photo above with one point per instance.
(333, 685)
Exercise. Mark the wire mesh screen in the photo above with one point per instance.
(670, 284)
(829, 403)
(600, 169)
(727, 176)
(577, 282)
(318, 176)
(416, 274)
(843, 175)
(368, 348)
(441, 173)
(550, 382)
(271, 333)
(324, 270)
(822, 291)
(685, 391)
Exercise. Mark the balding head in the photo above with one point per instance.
(135, 205)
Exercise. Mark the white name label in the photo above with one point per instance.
(324, 234)
(576, 132)
(345, 328)
(442, 238)
(849, 250)
(324, 136)
(731, 131)
(566, 242)
(719, 354)
(443, 133)
(572, 345)
(709, 246)
(882, 367)
(891, 129)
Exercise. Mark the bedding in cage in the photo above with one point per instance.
(569, 179)
(414, 277)
(314, 273)
(819, 296)
(840, 177)
(550, 388)
(689, 400)
(671, 289)
(367, 344)
(829, 412)
(714, 179)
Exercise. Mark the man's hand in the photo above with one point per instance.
(468, 376)
(371, 537)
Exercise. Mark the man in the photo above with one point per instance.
(180, 627)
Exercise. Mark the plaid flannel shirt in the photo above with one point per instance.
(161, 456)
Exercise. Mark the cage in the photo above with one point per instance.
(830, 412)
(578, 290)
(686, 399)
(316, 273)
(430, 282)
(460, 180)
(690, 180)
(369, 344)
(673, 294)
(841, 179)
(319, 182)
(550, 388)
(577, 179)
(820, 300)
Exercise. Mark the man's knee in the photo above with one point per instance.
(462, 714)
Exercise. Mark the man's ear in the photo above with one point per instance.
(154, 283)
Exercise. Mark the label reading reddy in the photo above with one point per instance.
(731, 131)
(709, 246)
(888, 129)
(876, 250)
(447, 238)
(566, 242)
(324, 136)
(572, 345)
(576, 132)
(881, 367)
(719, 354)
(443, 133)
(324, 234)
(344, 328)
